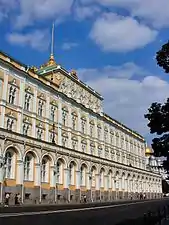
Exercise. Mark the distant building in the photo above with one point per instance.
(155, 164)
(57, 144)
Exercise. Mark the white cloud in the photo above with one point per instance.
(127, 100)
(69, 45)
(126, 71)
(85, 12)
(31, 11)
(120, 34)
(154, 12)
(38, 39)
(6, 7)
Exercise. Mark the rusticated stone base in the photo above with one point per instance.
(55, 196)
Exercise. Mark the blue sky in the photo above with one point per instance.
(111, 43)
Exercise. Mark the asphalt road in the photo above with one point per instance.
(102, 215)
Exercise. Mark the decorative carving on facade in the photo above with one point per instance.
(74, 91)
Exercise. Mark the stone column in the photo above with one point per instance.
(35, 101)
(79, 129)
(2, 171)
(33, 128)
(2, 118)
(47, 109)
(5, 87)
(98, 187)
(37, 182)
(19, 122)
(66, 185)
(78, 191)
(59, 122)
(20, 179)
(69, 127)
(106, 188)
(126, 188)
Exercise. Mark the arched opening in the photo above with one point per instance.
(45, 169)
(29, 163)
(109, 180)
(59, 171)
(117, 180)
(83, 170)
(72, 169)
(123, 181)
(10, 159)
(102, 171)
(93, 176)
(129, 183)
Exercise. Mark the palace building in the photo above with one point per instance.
(57, 144)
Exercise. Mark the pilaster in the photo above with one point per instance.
(59, 122)
(66, 183)
(35, 101)
(20, 172)
(5, 87)
(37, 175)
(97, 177)
(77, 179)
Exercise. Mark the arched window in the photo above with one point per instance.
(25, 129)
(93, 183)
(58, 172)
(117, 181)
(74, 121)
(64, 116)
(27, 101)
(8, 165)
(109, 180)
(40, 107)
(12, 94)
(44, 170)
(102, 178)
(9, 124)
(83, 125)
(82, 175)
(28, 167)
(71, 173)
(52, 113)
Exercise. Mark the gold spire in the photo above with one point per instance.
(51, 61)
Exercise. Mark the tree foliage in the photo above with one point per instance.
(158, 114)
(162, 57)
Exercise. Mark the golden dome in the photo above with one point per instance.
(51, 62)
(149, 151)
